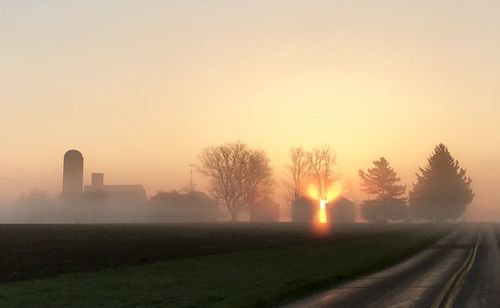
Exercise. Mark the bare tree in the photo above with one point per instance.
(321, 161)
(239, 176)
(309, 166)
(297, 173)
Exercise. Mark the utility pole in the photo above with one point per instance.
(191, 183)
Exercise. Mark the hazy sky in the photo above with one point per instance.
(139, 87)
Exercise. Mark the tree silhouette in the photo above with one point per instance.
(381, 182)
(309, 167)
(37, 206)
(321, 161)
(239, 176)
(297, 174)
(443, 190)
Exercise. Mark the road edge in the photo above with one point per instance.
(448, 295)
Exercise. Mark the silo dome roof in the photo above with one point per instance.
(73, 154)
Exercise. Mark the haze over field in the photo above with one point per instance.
(141, 87)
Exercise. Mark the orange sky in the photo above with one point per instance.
(139, 87)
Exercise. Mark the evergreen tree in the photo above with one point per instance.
(381, 182)
(443, 190)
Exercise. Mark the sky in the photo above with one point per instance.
(140, 87)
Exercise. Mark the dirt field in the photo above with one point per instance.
(31, 251)
(219, 265)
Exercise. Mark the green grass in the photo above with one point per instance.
(251, 278)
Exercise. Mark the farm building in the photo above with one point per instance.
(114, 194)
(341, 210)
(194, 206)
(303, 210)
(265, 210)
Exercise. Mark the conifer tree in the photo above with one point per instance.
(443, 189)
(381, 182)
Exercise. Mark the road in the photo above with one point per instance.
(460, 270)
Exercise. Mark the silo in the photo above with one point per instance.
(72, 174)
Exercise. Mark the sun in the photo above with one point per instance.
(332, 193)
(322, 211)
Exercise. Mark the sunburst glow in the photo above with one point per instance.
(332, 192)
(322, 212)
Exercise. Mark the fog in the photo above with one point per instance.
(302, 74)
(39, 207)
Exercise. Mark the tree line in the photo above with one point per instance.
(239, 176)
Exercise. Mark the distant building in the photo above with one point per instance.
(266, 210)
(341, 210)
(72, 174)
(194, 206)
(304, 210)
(116, 194)
(97, 179)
